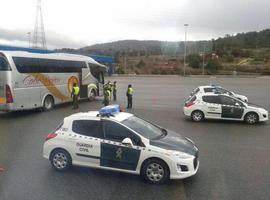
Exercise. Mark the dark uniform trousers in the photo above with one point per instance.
(129, 98)
(75, 101)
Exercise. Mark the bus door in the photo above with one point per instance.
(98, 75)
(83, 86)
(100, 83)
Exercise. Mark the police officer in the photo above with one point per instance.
(106, 100)
(114, 90)
(129, 96)
(74, 95)
(111, 89)
(109, 86)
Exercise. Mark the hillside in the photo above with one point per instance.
(246, 53)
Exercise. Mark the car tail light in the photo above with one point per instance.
(9, 95)
(51, 136)
(188, 104)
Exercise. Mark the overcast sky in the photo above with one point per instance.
(78, 23)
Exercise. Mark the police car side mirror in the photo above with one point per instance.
(237, 104)
(127, 142)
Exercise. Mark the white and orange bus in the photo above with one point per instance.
(31, 80)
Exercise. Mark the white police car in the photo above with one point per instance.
(219, 90)
(222, 106)
(120, 141)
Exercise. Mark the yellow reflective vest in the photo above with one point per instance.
(130, 91)
(76, 90)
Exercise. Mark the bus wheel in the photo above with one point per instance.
(48, 103)
(92, 95)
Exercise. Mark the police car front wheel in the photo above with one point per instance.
(60, 160)
(251, 118)
(197, 116)
(155, 171)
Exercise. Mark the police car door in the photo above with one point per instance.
(212, 106)
(231, 108)
(116, 155)
(86, 141)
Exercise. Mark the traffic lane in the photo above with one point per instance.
(177, 89)
(209, 136)
(216, 178)
(233, 156)
(33, 177)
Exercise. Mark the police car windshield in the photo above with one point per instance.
(144, 128)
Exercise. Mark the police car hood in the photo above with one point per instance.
(242, 97)
(176, 142)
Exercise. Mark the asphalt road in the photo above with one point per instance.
(234, 157)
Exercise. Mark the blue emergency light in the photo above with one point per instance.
(109, 110)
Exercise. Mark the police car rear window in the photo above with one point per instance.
(195, 91)
(208, 90)
(88, 128)
(192, 99)
(211, 99)
(58, 127)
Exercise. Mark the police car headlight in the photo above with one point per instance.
(184, 156)
(178, 154)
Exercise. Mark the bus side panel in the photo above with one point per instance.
(25, 90)
(59, 85)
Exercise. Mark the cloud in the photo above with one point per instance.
(20, 37)
(79, 23)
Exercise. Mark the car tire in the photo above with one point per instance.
(155, 171)
(197, 116)
(251, 118)
(60, 160)
(92, 95)
(48, 103)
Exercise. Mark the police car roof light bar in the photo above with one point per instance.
(109, 110)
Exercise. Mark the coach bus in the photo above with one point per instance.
(31, 80)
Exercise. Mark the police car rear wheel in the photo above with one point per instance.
(197, 116)
(155, 171)
(61, 160)
(251, 118)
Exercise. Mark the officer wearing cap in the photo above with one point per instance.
(107, 94)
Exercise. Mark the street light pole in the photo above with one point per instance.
(203, 59)
(185, 54)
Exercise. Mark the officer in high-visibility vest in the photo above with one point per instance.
(129, 96)
(111, 89)
(107, 93)
(74, 95)
(114, 90)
